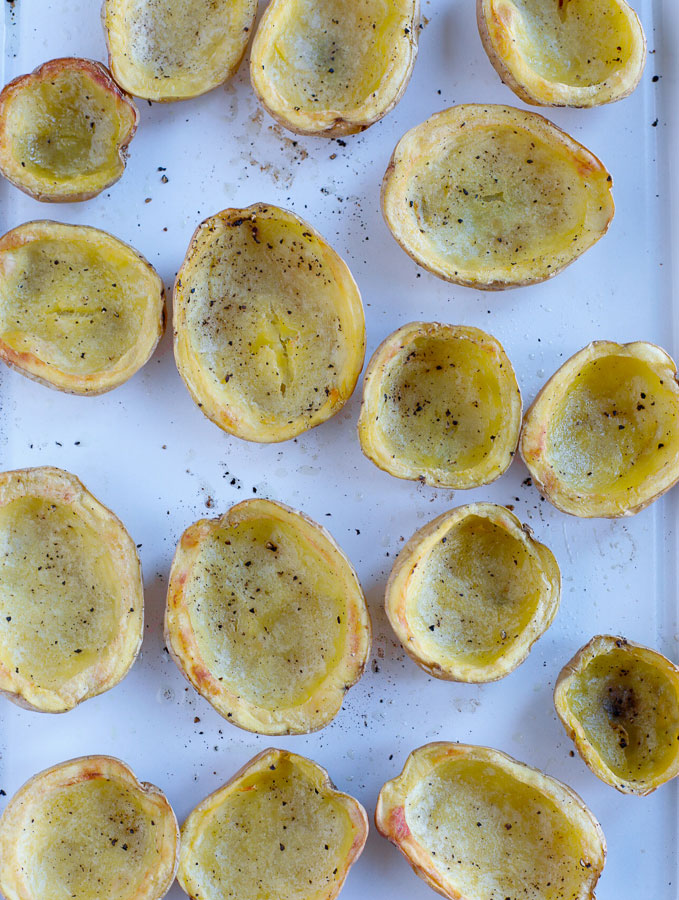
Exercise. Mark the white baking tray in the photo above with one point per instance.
(147, 452)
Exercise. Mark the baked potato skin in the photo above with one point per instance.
(422, 143)
(534, 435)
(31, 364)
(413, 556)
(599, 647)
(81, 771)
(391, 816)
(48, 190)
(263, 763)
(180, 636)
(147, 78)
(495, 21)
(60, 487)
(332, 123)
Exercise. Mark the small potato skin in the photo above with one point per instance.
(497, 39)
(99, 74)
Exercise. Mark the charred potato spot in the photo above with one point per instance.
(493, 197)
(620, 703)
(71, 594)
(277, 829)
(573, 53)
(602, 439)
(477, 823)
(269, 326)
(471, 592)
(276, 621)
(79, 310)
(440, 404)
(64, 130)
(87, 828)
(165, 50)
(334, 67)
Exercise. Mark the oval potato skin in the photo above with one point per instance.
(624, 422)
(505, 38)
(450, 400)
(166, 50)
(637, 690)
(276, 827)
(494, 197)
(81, 161)
(58, 279)
(534, 581)
(51, 508)
(269, 328)
(265, 579)
(420, 796)
(325, 95)
(103, 793)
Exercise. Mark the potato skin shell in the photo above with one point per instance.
(98, 73)
(602, 644)
(408, 559)
(528, 86)
(30, 365)
(81, 770)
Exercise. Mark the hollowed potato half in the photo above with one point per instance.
(80, 311)
(71, 592)
(269, 324)
(494, 197)
(564, 52)
(602, 436)
(87, 828)
(169, 50)
(333, 67)
(278, 828)
(64, 130)
(619, 703)
(440, 405)
(471, 592)
(475, 823)
(266, 618)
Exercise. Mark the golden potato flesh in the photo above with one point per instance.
(266, 618)
(602, 437)
(476, 824)
(79, 310)
(71, 592)
(172, 50)
(440, 405)
(278, 829)
(88, 829)
(619, 703)
(269, 325)
(64, 130)
(494, 197)
(334, 67)
(471, 592)
(564, 52)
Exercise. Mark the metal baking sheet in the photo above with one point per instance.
(147, 452)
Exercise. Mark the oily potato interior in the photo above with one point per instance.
(168, 50)
(334, 67)
(494, 197)
(87, 829)
(471, 592)
(79, 310)
(620, 703)
(278, 829)
(64, 130)
(269, 325)
(440, 404)
(474, 823)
